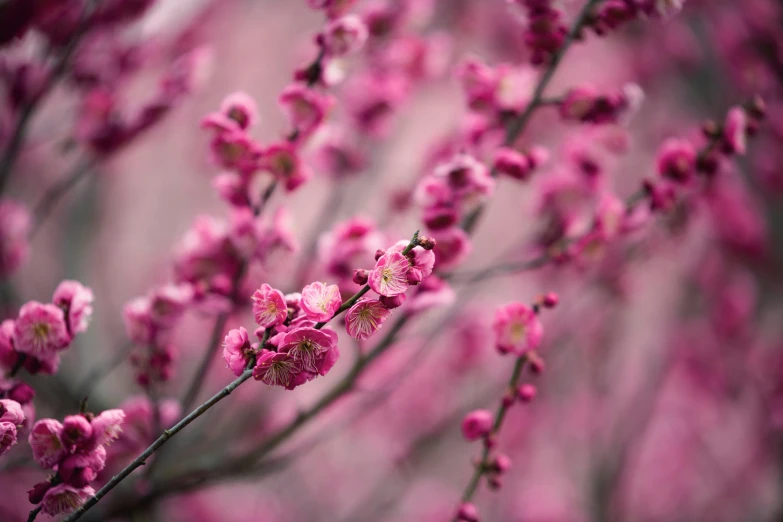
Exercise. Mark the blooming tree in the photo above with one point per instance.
(484, 260)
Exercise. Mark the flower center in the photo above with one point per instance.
(41, 330)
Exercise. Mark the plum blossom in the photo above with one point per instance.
(269, 306)
(64, 498)
(365, 318)
(237, 350)
(315, 351)
(320, 301)
(517, 329)
(76, 301)
(46, 444)
(390, 275)
(276, 369)
(40, 330)
(344, 36)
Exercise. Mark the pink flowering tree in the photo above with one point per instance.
(431, 260)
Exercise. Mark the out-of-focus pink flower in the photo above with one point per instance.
(45, 442)
(468, 512)
(283, 161)
(64, 498)
(365, 318)
(76, 301)
(40, 330)
(390, 275)
(305, 108)
(237, 350)
(235, 150)
(677, 160)
(320, 301)
(76, 430)
(343, 36)
(512, 163)
(269, 307)
(610, 216)
(517, 329)
(477, 424)
(15, 222)
(237, 112)
(452, 247)
(8, 433)
(107, 426)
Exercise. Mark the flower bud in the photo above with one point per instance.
(550, 300)
(527, 392)
(360, 276)
(468, 513)
(36, 494)
(379, 253)
(22, 393)
(426, 242)
(392, 302)
(494, 482)
(477, 424)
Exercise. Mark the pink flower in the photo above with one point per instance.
(517, 329)
(235, 150)
(677, 160)
(40, 330)
(466, 178)
(390, 275)
(512, 164)
(169, 302)
(237, 112)
(137, 316)
(8, 356)
(320, 302)
(64, 498)
(304, 107)
(314, 351)
(76, 301)
(45, 442)
(610, 216)
(276, 369)
(477, 424)
(107, 426)
(452, 247)
(15, 222)
(283, 161)
(735, 131)
(11, 411)
(419, 258)
(8, 433)
(344, 36)
(468, 512)
(237, 350)
(76, 430)
(269, 307)
(365, 318)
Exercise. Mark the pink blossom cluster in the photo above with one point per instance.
(42, 331)
(12, 419)
(75, 450)
(294, 345)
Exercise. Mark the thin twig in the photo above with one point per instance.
(49, 201)
(483, 466)
(34, 513)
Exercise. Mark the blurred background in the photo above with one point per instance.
(661, 398)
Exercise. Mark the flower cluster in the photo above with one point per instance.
(42, 331)
(586, 105)
(75, 450)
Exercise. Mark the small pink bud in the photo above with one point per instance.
(379, 253)
(360, 276)
(76, 429)
(427, 243)
(550, 300)
(22, 393)
(527, 392)
(36, 494)
(477, 424)
(468, 513)
(392, 302)
(536, 363)
(508, 400)
(502, 463)
(490, 441)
